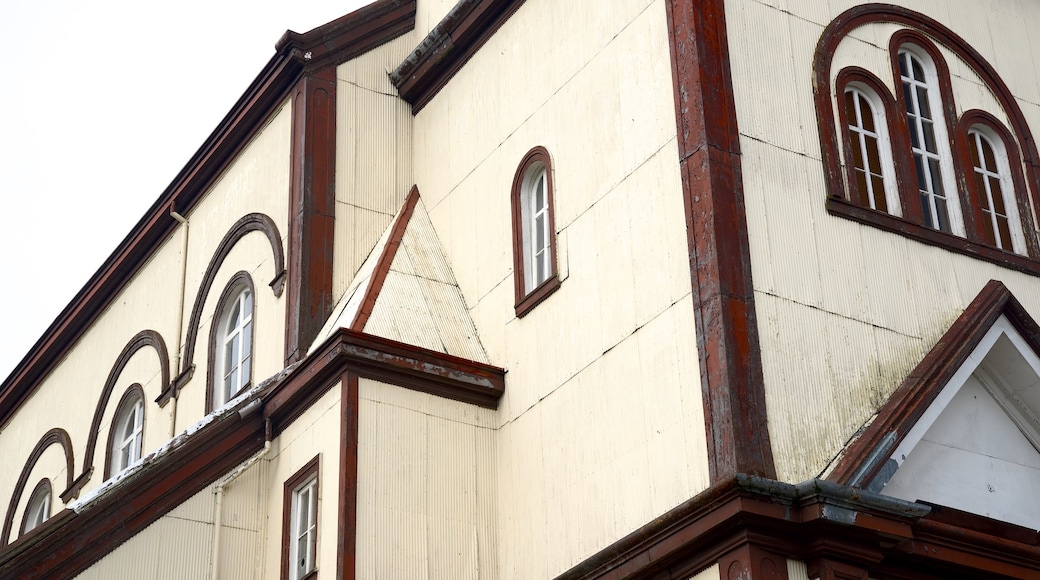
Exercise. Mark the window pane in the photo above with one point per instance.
(987, 228)
(987, 153)
(926, 209)
(923, 107)
(929, 136)
(873, 155)
(915, 137)
(902, 64)
(941, 215)
(937, 187)
(973, 147)
(539, 227)
(922, 184)
(908, 98)
(1003, 227)
(918, 71)
(880, 202)
(998, 195)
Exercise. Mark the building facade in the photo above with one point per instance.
(539, 289)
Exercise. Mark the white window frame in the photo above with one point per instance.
(942, 155)
(534, 207)
(233, 351)
(856, 129)
(304, 529)
(1003, 173)
(129, 436)
(38, 508)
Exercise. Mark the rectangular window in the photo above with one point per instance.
(300, 524)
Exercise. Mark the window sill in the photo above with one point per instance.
(535, 297)
(897, 225)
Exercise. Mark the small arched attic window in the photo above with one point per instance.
(941, 190)
(231, 342)
(535, 274)
(38, 508)
(126, 437)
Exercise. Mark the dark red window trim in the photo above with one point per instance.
(526, 301)
(311, 469)
(925, 34)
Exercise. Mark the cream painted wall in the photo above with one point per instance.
(601, 425)
(426, 486)
(315, 433)
(373, 154)
(258, 181)
(846, 311)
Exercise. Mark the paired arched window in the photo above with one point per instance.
(907, 152)
(534, 231)
(231, 343)
(126, 437)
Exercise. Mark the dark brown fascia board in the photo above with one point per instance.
(351, 35)
(359, 31)
(388, 361)
(865, 456)
(815, 521)
(449, 46)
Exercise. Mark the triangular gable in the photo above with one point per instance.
(967, 412)
(406, 291)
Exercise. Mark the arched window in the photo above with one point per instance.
(994, 190)
(127, 434)
(232, 345)
(928, 141)
(534, 233)
(38, 508)
(871, 170)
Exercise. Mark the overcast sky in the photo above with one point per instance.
(102, 103)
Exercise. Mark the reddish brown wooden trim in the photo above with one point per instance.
(386, 259)
(390, 361)
(140, 340)
(134, 391)
(56, 436)
(896, 123)
(841, 532)
(254, 222)
(346, 537)
(44, 486)
(925, 235)
(865, 456)
(235, 284)
(524, 301)
(312, 210)
(926, 32)
(311, 469)
(448, 47)
(349, 36)
(716, 224)
(973, 118)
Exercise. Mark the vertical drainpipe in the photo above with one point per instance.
(218, 504)
(180, 316)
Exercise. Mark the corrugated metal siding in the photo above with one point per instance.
(373, 154)
(426, 494)
(420, 303)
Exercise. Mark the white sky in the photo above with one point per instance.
(101, 104)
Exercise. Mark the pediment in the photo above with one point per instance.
(963, 429)
(406, 291)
